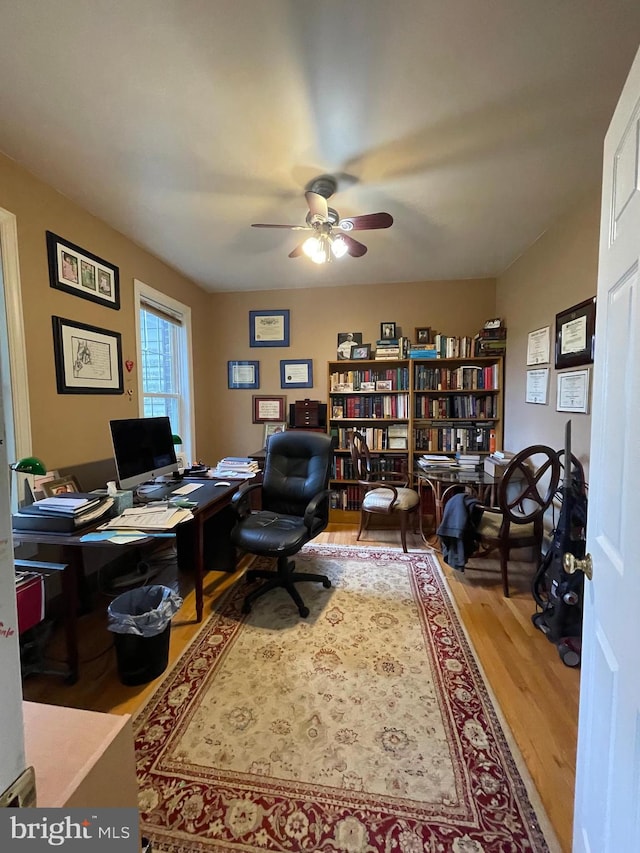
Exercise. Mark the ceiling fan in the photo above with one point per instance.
(328, 238)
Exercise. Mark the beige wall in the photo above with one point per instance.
(317, 315)
(72, 428)
(558, 271)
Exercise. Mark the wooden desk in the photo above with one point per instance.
(203, 544)
(443, 483)
(82, 759)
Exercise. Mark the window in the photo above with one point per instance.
(164, 362)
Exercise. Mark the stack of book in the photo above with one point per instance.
(392, 349)
(469, 461)
(491, 341)
(423, 351)
(62, 513)
(433, 460)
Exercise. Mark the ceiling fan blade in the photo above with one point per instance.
(317, 205)
(290, 227)
(367, 222)
(354, 248)
(297, 252)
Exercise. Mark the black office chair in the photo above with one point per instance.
(295, 508)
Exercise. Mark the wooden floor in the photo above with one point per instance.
(537, 693)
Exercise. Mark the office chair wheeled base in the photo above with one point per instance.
(285, 577)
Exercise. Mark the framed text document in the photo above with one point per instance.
(573, 391)
(538, 346)
(537, 386)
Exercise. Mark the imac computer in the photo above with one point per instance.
(143, 450)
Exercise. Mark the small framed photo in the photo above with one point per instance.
(346, 342)
(384, 385)
(387, 331)
(243, 374)
(268, 409)
(367, 386)
(62, 486)
(269, 328)
(82, 273)
(573, 391)
(88, 360)
(422, 335)
(273, 428)
(296, 373)
(361, 352)
(337, 411)
(576, 334)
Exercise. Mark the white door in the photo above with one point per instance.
(607, 804)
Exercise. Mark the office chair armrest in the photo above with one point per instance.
(241, 501)
(312, 510)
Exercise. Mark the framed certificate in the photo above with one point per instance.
(538, 346)
(573, 391)
(296, 373)
(243, 374)
(575, 335)
(537, 385)
(269, 328)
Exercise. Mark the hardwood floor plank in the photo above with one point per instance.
(537, 693)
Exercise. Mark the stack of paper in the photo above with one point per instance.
(70, 504)
(149, 518)
(235, 468)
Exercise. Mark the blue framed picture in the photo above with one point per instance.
(296, 373)
(269, 328)
(244, 374)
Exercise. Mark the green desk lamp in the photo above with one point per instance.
(28, 465)
(176, 439)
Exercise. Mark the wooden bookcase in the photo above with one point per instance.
(409, 407)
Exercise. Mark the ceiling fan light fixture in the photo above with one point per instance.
(323, 253)
(311, 246)
(338, 247)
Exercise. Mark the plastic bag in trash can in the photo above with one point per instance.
(145, 611)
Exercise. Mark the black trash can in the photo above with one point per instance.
(141, 622)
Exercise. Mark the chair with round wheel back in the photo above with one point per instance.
(383, 492)
(526, 490)
(295, 508)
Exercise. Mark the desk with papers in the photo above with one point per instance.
(202, 541)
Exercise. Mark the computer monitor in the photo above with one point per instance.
(143, 449)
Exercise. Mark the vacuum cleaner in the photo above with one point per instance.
(558, 593)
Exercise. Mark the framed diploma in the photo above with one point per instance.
(573, 391)
(575, 335)
(243, 374)
(269, 328)
(296, 373)
(538, 346)
(537, 385)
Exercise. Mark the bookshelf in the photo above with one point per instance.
(408, 407)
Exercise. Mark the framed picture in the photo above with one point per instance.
(272, 428)
(576, 334)
(88, 359)
(384, 385)
(360, 352)
(573, 391)
(387, 331)
(269, 328)
(268, 409)
(296, 373)
(62, 486)
(366, 386)
(537, 385)
(538, 346)
(82, 273)
(243, 374)
(346, 342)
(422, 335)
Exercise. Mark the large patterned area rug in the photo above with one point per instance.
(365, 727)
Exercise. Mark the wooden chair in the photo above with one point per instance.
(382, 492)
(527, 488)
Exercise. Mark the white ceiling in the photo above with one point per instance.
(475, 123)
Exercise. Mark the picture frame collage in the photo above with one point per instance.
(88, 359)
(573, 347)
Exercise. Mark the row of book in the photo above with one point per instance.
(346, 498)
(370, 406)
(343, 467)
(467, 377)
(450, 438)
(365, 379)
(456, 406)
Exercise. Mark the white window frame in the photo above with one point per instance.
(14, 379)
(144, 293)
